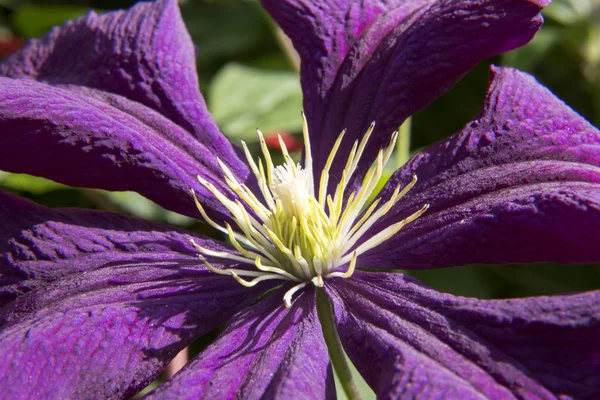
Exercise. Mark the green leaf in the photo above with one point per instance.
(140, 206)
(9, 4)
(567, 12)
(33, 20)
(226, 29)
(536, 51)
(28, 183)
(242, 99)
(463, 281)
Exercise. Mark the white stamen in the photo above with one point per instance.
(304, 234)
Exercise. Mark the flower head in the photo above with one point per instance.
(303, 239)
(94, 304)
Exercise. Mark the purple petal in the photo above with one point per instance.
(88, 138)
(116, 106)
(520, 184)
(329, 29)
(409, 341)
(95, 304)
(144, 54)
(374, 62)
(39, 245)
(266, 351)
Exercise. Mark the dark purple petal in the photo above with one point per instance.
(144, 53)
(39, 245)
(409, 341)
(266, 352)
(84, 137)
(520, 184)
(323, 33)
(382, 61)
(95, 304)
(111, 101)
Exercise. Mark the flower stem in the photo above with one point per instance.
(288, 48)
(334, 346)
(403, 143)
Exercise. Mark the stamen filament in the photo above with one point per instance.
(362, 229)
(361, 148)
(325, 172)
(221, 254)
(388, 232)
(361, 226)
(318, 281)
(308, 162)
(275, 270)
(243, 192)
(362, 220)
(254, 281)
(349, 271)
(286, 155)
(230, 271)
(287, 297)
(214, 224)
(244, 252)
(267, 155)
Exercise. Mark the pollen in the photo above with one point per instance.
(299, 232)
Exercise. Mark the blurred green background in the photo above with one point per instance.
(249, 81)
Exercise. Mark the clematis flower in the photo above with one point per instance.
(95, 304)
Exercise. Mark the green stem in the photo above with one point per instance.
(284, 42)
(403, 144)
(288, 48)
(334, 346)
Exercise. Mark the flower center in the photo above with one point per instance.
(296, 234)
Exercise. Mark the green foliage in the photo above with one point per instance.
(568, 12)
(28, 183)
(33, 20)
(225, 31)
(136, 204)
(528, 57)
(242, 99)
